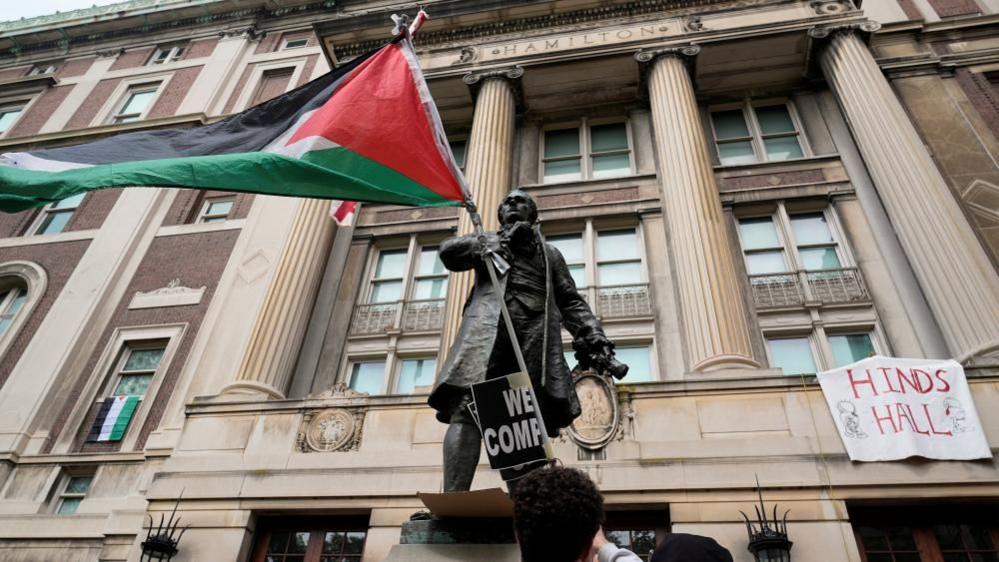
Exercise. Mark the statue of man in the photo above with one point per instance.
(541, 297)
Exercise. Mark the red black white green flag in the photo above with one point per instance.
(367, 131)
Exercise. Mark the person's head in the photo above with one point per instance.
(681, 547)
(556, 513)
(517, 206)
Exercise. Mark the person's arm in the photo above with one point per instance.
(462, 253)
(610, 552)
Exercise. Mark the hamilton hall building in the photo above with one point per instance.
(747, 192)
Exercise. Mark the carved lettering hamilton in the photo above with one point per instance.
(587, 39)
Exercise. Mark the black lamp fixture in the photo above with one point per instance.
(768, 538)
(161, 542)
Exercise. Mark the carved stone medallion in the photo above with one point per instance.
(334, 429)
(600, 418)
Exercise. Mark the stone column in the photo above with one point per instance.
(712, 311)
(280, 326)
(950, 264)
(488, 169)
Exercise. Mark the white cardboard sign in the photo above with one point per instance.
(890, 408)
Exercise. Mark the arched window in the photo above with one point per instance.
(22, 285)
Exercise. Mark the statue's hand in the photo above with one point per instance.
(493, 244)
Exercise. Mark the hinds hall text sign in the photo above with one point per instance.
(888, 408)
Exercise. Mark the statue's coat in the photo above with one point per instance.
(468, 361)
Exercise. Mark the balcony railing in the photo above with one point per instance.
(402, 316)
(620, 301)
(826, 286)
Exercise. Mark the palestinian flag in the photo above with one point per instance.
(367, 131)
(112, 419)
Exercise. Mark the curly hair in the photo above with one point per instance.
(556, 512)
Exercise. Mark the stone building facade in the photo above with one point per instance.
(749, 191)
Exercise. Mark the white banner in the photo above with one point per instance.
(889, 408)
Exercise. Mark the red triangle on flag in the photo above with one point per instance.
(377, 113)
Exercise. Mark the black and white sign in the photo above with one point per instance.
(512, 428)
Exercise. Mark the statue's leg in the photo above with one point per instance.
(462, 446)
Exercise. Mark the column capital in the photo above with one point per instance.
(825, 31)
(510, 75)
(250, 32)
(681, 51)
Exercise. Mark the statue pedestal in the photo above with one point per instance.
(472, 538)
(466, 526)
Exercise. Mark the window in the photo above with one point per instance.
(607, 267)
(74, 489)
(55, 216)
(639, 361)
(947, 533)
(756, 133)
(850, 348)
(138, 99)
(640, 531)
(406, 292)
(458, 149)
(294, 42)
(43, 68)
(801, 355)
(387, 281)
(302, 539)
(129, 382)
(216, 210)
(168, 53)
(594, 151)
(792, 355)
(793, 256)
(12, 300)
(272, 83)
(368, 377)
(416, 375)
(8, 116)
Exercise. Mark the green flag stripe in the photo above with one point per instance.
(123, 419)
(334, 173)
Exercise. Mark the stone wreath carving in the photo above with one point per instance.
(331, 430)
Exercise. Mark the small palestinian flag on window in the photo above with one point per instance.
(113, 417)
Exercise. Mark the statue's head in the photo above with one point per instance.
(518, 205)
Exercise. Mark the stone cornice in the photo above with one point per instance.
(823, 32)
(525, 26)
(11, 46)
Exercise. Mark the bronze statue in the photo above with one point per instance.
(541, 297)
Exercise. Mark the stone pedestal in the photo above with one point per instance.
(469, 538)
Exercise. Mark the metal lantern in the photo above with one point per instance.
(768, 538)
(161, 542)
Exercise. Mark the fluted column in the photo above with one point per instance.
(488, 169)
(950, 264)
(714, 319)
(280, 325)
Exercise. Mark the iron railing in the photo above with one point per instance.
(403, 316)
(624, 301)
(826, 286)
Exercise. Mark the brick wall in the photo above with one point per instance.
(14, 224)
(201, 48)
(94, 208)
(983, 96)
(196, 260)
(310, 65)
(268, 44)
(910, 9)
(32, 121)
(13, 73)
(947, 8)
(133, 58)
(244, 79)
(58, 260)
(75, 67)
(176, 90)
(89, 108)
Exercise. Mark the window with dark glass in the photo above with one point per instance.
(168, 53)
(299, 539)
(458, 149)
(927, 533)
(73, 489)
(640, 531)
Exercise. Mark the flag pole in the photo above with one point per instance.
(406, 30)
